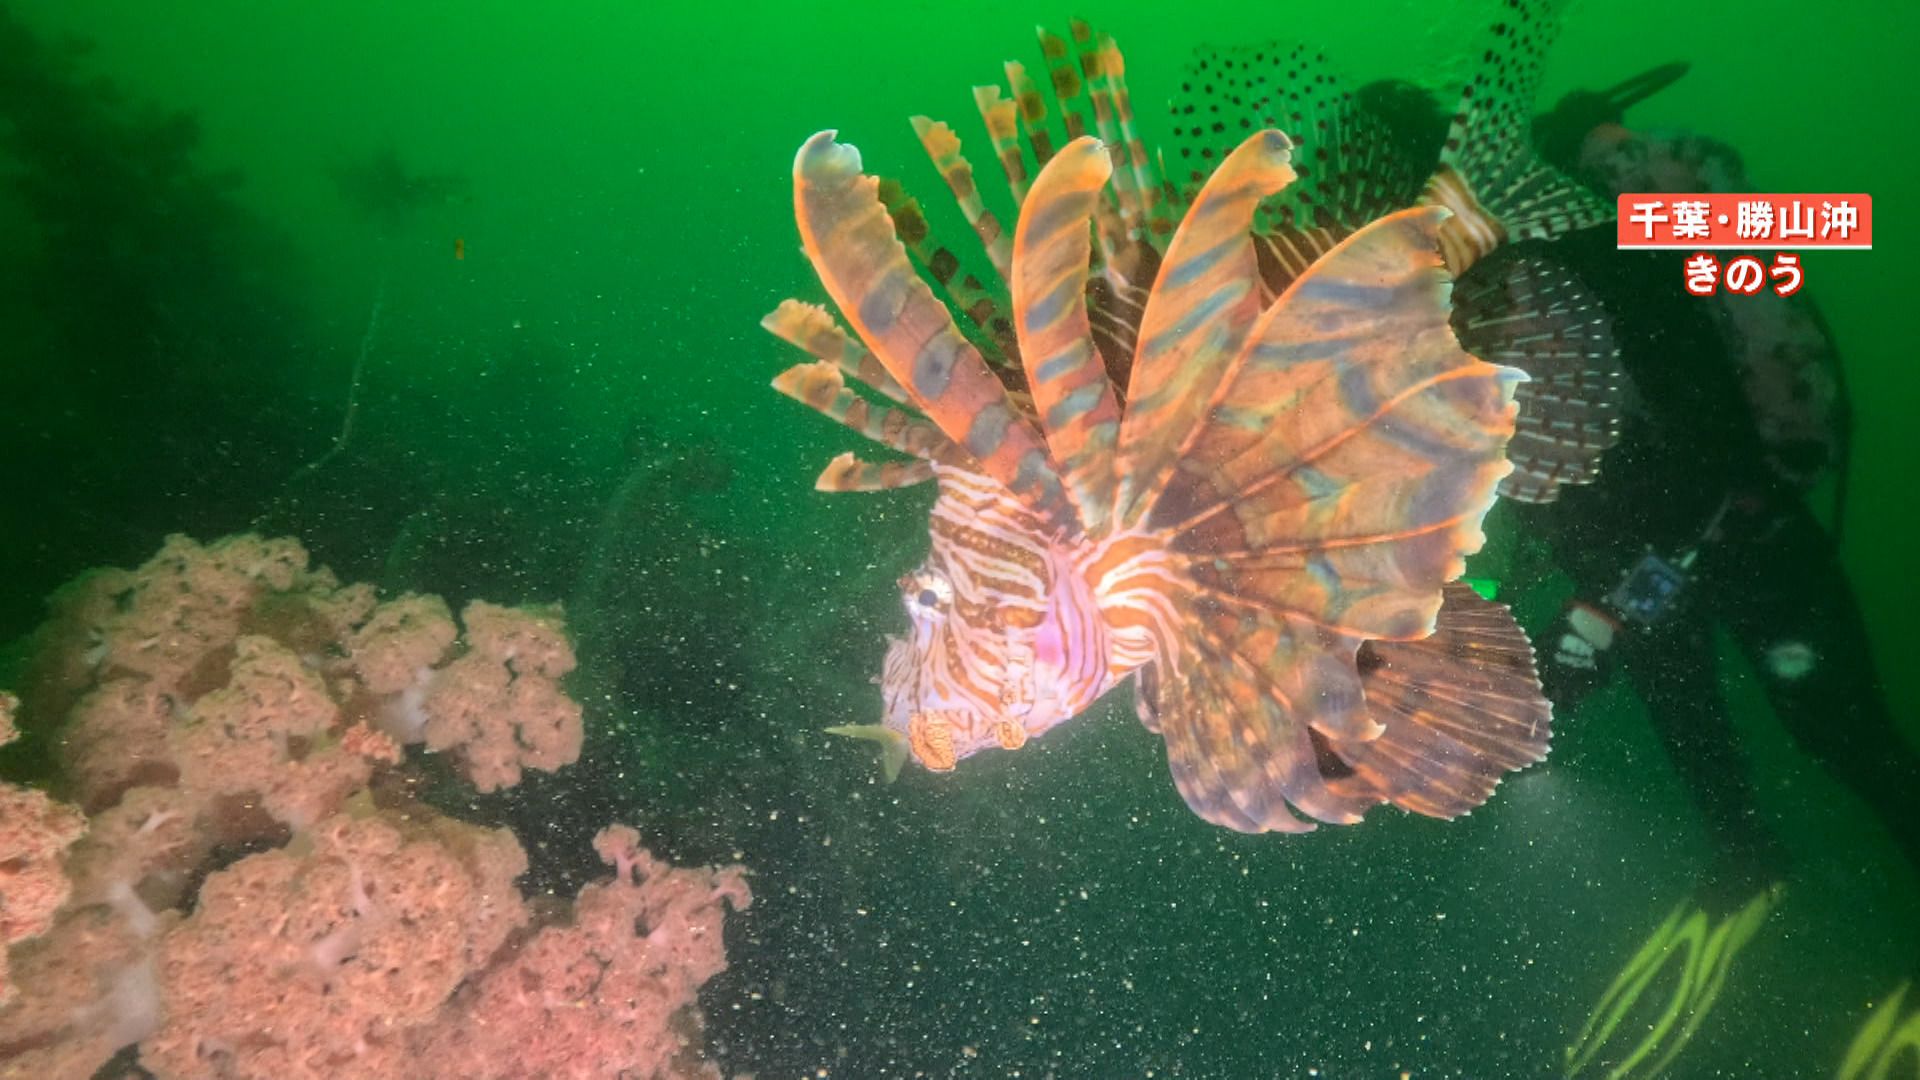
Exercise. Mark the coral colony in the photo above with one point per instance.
(243, 884)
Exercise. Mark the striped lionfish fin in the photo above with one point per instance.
(1490, 175)
(1072, 73)
(1238, 752)
(1135, 186)
(967, 294)
(1002, 117)
(1157, 218)
(1336, 482)
(809, 328)
(1459, 710)
(1203, 304)
(1353, 167)
(848, 473)
(1352, 447)
(820, 387)
(850, 240)
(1063, 74)
(1032, 106)
(1051, 248)
(943, 147)
(1286, 251)
(1522, 308)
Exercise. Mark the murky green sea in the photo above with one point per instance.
(546, 326)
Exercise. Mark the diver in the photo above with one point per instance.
(1733, 413)
(1701, 523)
(1702, 519)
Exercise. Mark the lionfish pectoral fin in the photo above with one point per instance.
(1335, 483)
(1460, 709)
(892, 745)
(1241, 749)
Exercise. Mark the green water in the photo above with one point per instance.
(627, 221)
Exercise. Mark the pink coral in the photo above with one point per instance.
(189, 600)
(229, 697)
(88, 989)
(612, 994)
(269, 734)
(321, 963)
(34, 832)
(401, 642)
(500, 706)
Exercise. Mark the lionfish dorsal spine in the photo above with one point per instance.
(1202, 305)
(1051, 248)
(943, 147)
(850, 239)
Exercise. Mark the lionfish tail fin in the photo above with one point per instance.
(1051, 247)
(1335, 481)
(850, 240)
(1458, 711)
(1523, 308)
(1490, 175)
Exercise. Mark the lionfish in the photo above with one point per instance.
(1370, 152)
(1250, 502)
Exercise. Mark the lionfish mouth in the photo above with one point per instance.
(941, 737)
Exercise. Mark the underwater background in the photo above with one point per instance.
(559, 393)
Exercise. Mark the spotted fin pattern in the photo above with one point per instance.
(1490, 174)
(1348, 169)
(1521, 307)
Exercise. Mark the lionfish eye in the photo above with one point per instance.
(926, 592)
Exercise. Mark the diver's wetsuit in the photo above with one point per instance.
(1770, 574)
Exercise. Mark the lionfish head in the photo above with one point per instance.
(969, 675)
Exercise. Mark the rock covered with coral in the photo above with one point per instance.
(34, 832)
(229, 699)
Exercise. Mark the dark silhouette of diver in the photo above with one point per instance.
(1700, 521)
